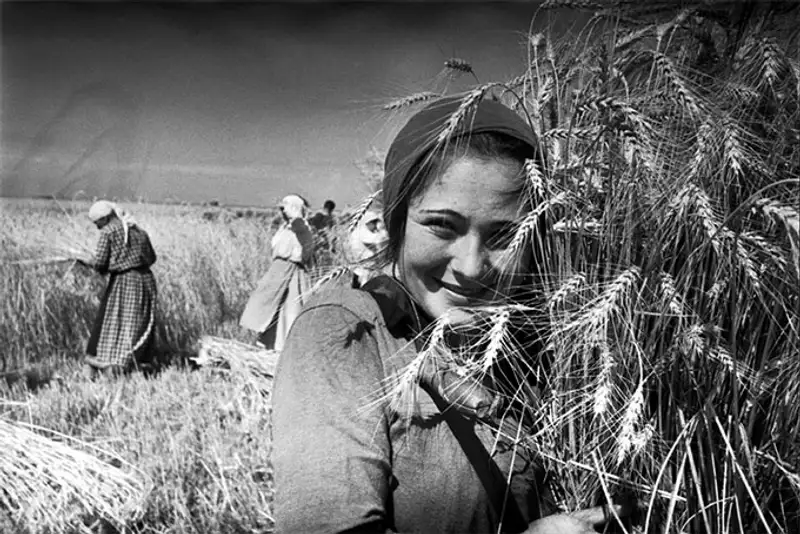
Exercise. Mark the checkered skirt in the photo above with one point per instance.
(125, 324)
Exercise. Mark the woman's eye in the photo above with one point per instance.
(441, 227)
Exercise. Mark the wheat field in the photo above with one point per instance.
(668, 283)
(199, 438)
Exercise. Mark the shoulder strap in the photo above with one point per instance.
(397, 315)
(507, 512)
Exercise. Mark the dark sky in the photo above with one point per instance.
(238, 102)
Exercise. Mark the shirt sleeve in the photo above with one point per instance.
(102, 254)
(150, 253)
(306, 238)
(331, 449)
(316, 221)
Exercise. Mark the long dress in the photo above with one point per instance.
(125, 324)
(278, 298)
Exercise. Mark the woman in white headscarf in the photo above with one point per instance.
(125, 325)
(278, 299)
(364, 244)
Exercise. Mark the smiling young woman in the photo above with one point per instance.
(456, 234)
(345, 459)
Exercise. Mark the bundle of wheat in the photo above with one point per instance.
(60, 484)
(668, 283)
(240, 358)
(65, 242)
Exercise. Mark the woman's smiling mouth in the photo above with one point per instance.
(464, 292)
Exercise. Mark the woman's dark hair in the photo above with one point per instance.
(484, 146)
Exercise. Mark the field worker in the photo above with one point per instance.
(278, 298)
(324, 224)
(365, 243)
(454, 192)
(125, 325)
(324, 220)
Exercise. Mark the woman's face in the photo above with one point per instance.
(102, 222)
(456, 233)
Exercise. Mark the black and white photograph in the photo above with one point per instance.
(467, 266)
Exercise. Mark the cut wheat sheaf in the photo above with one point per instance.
(55, 483)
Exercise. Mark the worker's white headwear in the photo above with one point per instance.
(104, 208)
(100, 209)
(296, 202)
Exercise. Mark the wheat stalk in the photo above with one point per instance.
(611, 299)
(587, 227)
(788, 216)
(246, 360)
(567, 288)
(497, 339)
(458, 65)
(524, 232)
(790, 219)
(362, 209)
(630, 421)
(602, 396)
(704, 149)
(794, 68)
(333, 274)
(771, 62)
(54, 484)
(468, 104)
(762, 245)
(745, 261)
(691, 200)
(410, 100)
(403, 396)
(669, 294)
(732, 149)
(583, 134)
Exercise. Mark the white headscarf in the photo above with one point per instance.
(104, 208)
(363, 243)
(295, 203)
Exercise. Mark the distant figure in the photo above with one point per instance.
(324, 224)
(125, 325)
(365, 242)
(278, 298)
(324, 220)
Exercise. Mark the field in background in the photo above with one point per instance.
(202, 436)
(207, 265)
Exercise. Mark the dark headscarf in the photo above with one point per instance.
(420, 136)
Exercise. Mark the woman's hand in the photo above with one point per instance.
(578, 522)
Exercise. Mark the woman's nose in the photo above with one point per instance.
(470, 258)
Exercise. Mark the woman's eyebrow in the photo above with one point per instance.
(442, 211)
